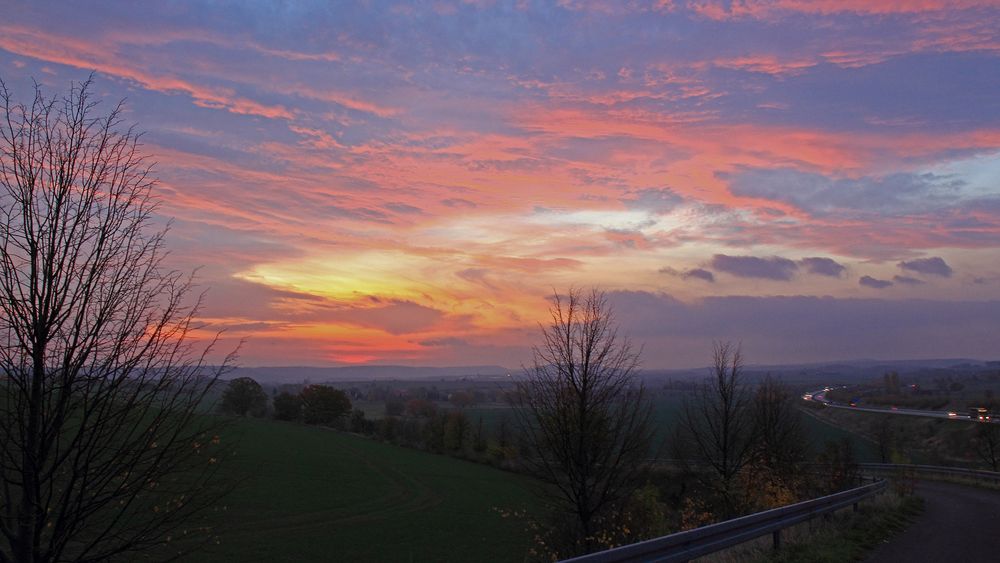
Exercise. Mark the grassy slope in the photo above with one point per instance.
(667, 411)
(667, 408)
(931, 441)
(850, 537)
(818, 431)
(318, 495)
(315, 494)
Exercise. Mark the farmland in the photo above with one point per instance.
(316, 494)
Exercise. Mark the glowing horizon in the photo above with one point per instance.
(393, 184)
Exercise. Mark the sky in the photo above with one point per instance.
(409, 183)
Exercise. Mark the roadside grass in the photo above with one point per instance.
(847, 536)
(833, 538)
(819, 431)
(314, 494)
(918, 440)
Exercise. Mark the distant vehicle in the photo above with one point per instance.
(854, 401)
(894, 408)
(952, 414)
(980, 414)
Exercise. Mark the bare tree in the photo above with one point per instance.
(883, 430)
(583, 411)
(779, 441)
(841, 465)
(716, 424)
(102, 449)
(987, 444)
(779, 437)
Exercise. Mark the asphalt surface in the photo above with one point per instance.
(959, 523)
(820, 397)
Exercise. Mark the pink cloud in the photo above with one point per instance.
(89, 56)
(727, 9)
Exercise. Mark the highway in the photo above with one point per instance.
(958, 522)
(819, 396)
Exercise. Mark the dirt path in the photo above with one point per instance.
(959, 523)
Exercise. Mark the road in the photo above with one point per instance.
(820, 397)
(958, 524)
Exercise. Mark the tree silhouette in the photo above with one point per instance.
(322, 404)
(583, 412)
(102, 449)
(716, 425)
(243, 396)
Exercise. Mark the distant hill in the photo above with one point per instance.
(839, 370)
(295, 374)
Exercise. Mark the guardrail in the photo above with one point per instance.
(684, 546)
(931, 471)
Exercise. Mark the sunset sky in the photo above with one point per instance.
(398, 183)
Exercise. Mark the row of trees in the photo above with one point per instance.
(314, 404)
(450, 432)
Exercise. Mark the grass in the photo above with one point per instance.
(819, 431)
(849, 536)
(317, 495)
(844, 536)
(667, 408)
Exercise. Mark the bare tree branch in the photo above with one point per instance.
(583, 411)
(716, 425)
(102, 447)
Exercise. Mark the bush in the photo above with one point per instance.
(287, 407)
(456, 430)
(360, 424)
(244, 396)
(322, 404)
(394, 407)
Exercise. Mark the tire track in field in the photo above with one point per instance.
(416, 495)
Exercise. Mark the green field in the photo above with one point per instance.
(319, 495)
(315, 494)
(667, 407)
(819, 432)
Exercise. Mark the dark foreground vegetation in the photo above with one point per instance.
(850, 536)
